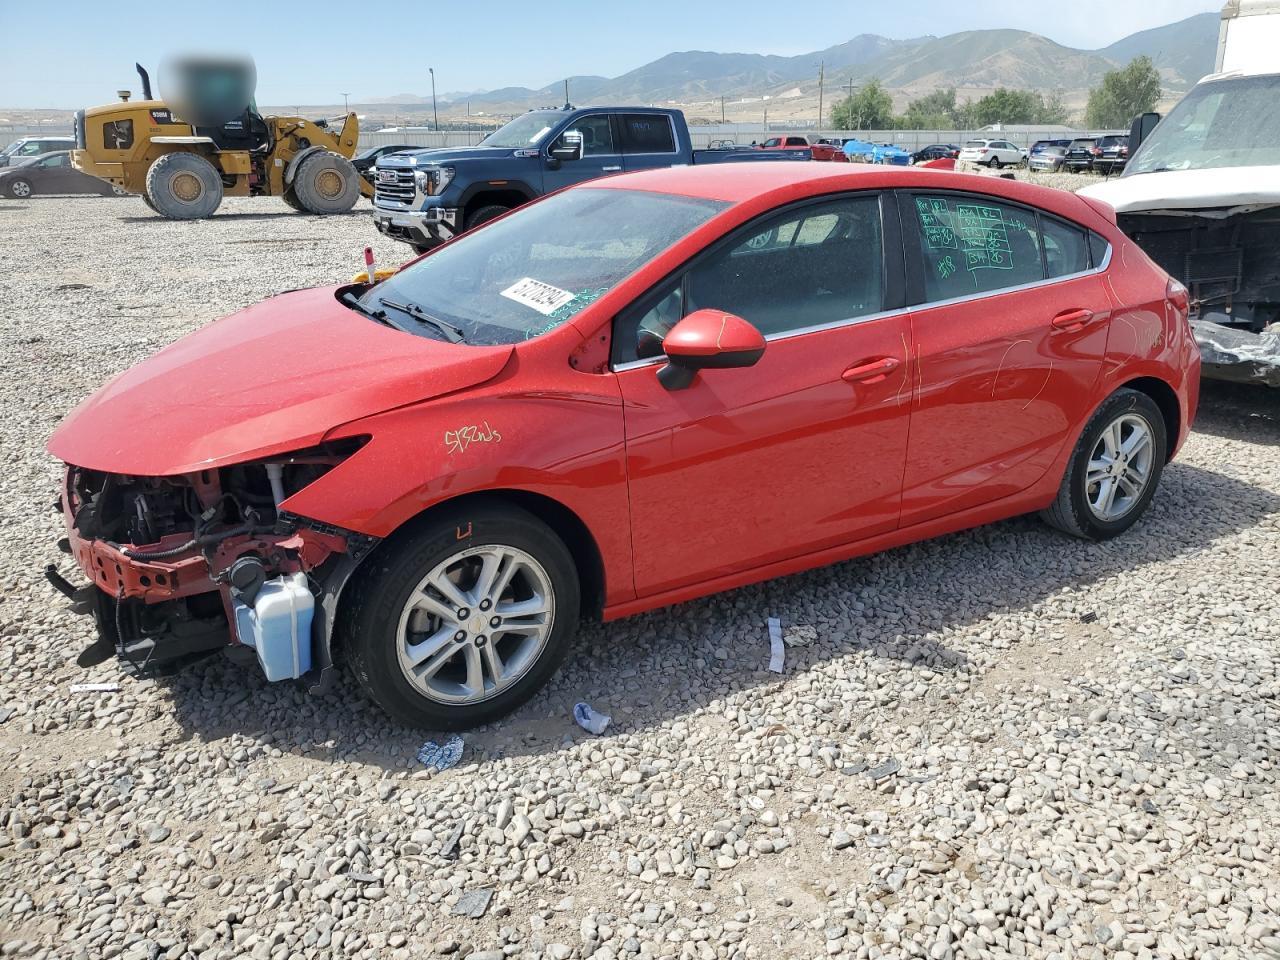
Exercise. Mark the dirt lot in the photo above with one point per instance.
(1001, 743)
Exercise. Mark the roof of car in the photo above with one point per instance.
(783, 181)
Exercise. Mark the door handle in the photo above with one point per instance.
(611, 169)
(872, 371)
(1069, 321)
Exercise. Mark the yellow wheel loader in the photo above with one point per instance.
(183, 169)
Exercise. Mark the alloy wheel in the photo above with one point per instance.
(1119, 467)
(475, 624)
(21, 189)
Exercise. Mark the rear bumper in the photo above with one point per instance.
(83, 161)
(422, 228)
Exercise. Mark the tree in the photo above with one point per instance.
(934, 111)
(1011, 106)
(871, 108)
(1124, 94)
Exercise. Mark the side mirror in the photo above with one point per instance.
(1140, 129)
(567, 147)
(707, 340)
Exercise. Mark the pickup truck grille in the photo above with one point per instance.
(393, 186)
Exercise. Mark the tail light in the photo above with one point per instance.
(1178, 297)
(984, 151)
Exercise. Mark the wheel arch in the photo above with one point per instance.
(1166, 399)
(513, 194)
(582, 545)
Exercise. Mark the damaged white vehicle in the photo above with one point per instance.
(1201, 196)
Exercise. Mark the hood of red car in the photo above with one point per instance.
(272, 378)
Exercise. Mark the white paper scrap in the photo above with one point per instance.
(537, 295)
(95, 688)
(776, 648)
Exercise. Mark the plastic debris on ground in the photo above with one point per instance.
(433, 754)
(449, 846)
(776, 647)
(95, 688)
(800, 636)
(472, 903)
(590, 720)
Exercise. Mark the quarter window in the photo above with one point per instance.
(647, 133)
(974, 245)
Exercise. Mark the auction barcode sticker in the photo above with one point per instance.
(540, 296)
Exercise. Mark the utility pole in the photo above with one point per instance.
(722, 109)
(435, 115)
(345, 108)
(821, 69)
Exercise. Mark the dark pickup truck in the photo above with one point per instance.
(426, 197)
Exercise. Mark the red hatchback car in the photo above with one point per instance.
(628, 394)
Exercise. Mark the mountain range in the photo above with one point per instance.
(973, 60)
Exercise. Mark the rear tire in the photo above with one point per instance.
(484, 214)
(291, 200)
(402, 635)
(18, 189)
(995, 163)
(1127, 423)
(184, 186)
(151, 206)
(326, 183)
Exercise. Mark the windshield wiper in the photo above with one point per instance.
(352, 301)
(451, 333)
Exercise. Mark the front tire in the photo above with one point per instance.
(19, 189)
(326, 183)
(184, 186)
(1115, 468)
(484, 214)
(464, 617)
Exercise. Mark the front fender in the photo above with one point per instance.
(565, 444)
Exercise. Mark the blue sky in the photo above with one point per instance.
(68, 53)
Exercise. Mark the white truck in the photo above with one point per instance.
(1201, 195)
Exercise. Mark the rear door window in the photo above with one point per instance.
(647, 133)
(972, 245)
(1066, 249)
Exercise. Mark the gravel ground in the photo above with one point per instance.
(999, 743)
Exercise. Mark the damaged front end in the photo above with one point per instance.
(1229, 261)
(181, 567)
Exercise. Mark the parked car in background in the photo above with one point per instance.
(818, 150)
(891, 154)
(28, 147)
(936, 151)
(1080, 155)
(723, 145)
(426, 197)
(991, 153)
(366, 160)
(1047, 159)
(570, 412)
(52, 173)
(1113, 156)
(858, 151)
(1042, 145)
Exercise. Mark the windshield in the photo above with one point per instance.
(1223, 123)
(530, 272)
(524, 131)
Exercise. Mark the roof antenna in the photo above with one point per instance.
(567, 105)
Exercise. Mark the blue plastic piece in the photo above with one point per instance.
(278, 626)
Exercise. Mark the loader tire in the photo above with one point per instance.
(291, 199)
(184, 186)
(326, 183)
(150, 206)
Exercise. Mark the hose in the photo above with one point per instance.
(206, 540)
